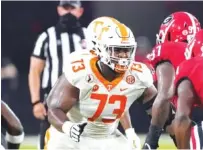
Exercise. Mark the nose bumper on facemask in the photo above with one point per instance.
(122, 65)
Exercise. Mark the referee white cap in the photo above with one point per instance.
(76, 3)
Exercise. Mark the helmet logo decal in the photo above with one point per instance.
(103, 29)
(167, 20)
(96, 24)
(163, 33)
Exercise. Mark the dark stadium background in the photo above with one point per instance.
(23, 21)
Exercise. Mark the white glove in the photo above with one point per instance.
(133, 139)
(74, 130)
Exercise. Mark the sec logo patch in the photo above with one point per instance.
(130, 79)
(95, 88)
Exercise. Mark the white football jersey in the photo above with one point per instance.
(102, 103)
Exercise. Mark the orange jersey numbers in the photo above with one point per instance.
(137, 67)
(103, 98)
(78, 65)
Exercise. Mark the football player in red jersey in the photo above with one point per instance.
(175, 32)
(195, 47)
(189, 90)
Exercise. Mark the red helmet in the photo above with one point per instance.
(195, 47)
(178, 27)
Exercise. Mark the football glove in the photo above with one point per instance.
(133, 139)
(74, 130)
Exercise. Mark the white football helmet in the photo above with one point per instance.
(109, 38)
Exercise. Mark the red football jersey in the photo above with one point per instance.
(193, 70)
(168, 51)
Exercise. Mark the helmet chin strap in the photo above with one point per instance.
(99, 65)
(108, 63)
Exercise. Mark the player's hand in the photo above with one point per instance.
(39, 111)
(74, 130)
(133, 139)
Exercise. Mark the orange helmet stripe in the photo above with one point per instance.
(122, 29)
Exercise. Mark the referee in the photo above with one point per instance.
(49, 57)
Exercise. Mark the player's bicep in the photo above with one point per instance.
(63, 95)
(165, 73)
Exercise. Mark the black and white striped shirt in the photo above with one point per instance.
(54, 46)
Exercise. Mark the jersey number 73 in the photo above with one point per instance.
(104, 100)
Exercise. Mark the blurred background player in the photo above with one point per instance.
(174, 34)
(12, 133)
(50, 57)
(13, 128)
(9, 78)
(189, 89)
(92, 83)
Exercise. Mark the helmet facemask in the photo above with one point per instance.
(118, 58)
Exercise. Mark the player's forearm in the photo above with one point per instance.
(34, 85)
(57, 118)
(182, 131)
(126, 121)
(165, 76)
(160, 111)
(157, 124)
(14, 125)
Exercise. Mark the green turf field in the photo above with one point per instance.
(164, 143)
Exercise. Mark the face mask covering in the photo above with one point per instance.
(69, 21)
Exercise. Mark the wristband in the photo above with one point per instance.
(15, 139)
(35, 103)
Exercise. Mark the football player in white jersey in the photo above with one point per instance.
(96, 90)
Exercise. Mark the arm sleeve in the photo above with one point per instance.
(40, 46)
